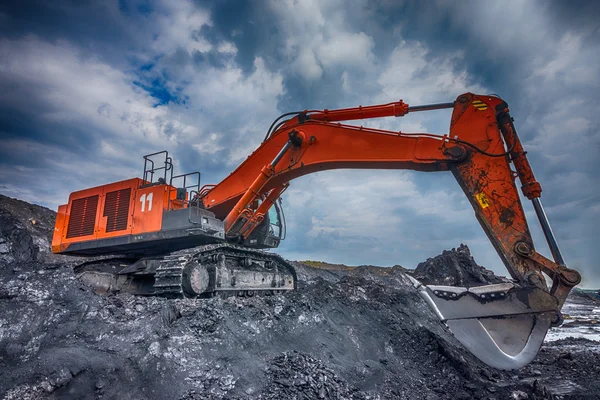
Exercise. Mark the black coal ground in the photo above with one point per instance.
(344, 334)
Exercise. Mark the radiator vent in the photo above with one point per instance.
(83, 217)
(116, 209)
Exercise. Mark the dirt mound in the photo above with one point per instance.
(455, 267)
(26, 232)
(348, 333)
(584, 296)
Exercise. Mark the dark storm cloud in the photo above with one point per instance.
(99, 27)
(579, 15)
(21, 111)
(247, 24)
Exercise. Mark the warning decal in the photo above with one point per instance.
(482, 200)
(480, 105)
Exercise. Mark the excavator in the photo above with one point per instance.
(164, 234)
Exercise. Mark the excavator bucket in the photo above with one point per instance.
(503, 325)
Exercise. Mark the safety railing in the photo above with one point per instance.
(151, 169)
(186, 187)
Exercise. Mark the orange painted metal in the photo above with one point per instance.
(100, 220)
(530, 187)
(395, 109)
(149, 204)
(329, 146)
(144, 210)
(250, 194)
(59, 226)
(489, 183)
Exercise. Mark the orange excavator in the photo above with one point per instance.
(169, 236)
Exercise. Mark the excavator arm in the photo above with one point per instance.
(505, 324)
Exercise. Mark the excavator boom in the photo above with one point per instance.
(504, 324)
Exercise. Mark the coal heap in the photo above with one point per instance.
(346, 333)
(455, 268)
(25, 232)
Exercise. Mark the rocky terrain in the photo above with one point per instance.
(346, 333)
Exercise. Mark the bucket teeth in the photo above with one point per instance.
(503, 325)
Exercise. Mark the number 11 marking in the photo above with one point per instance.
(143, 201)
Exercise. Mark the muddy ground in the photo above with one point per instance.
(346, 333)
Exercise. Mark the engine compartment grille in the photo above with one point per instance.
(83, 216)
(116, 209)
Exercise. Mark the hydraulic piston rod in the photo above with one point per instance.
(427, 107)
(550, 238)
(235, 220)
(530, 186)
(396, 109)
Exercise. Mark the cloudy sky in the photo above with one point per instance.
(88, 88)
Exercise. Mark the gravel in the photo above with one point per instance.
(346, 333)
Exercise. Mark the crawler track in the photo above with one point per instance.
(199, 272)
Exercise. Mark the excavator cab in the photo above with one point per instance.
(271, 230)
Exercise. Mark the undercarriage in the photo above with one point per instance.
(201, 271)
